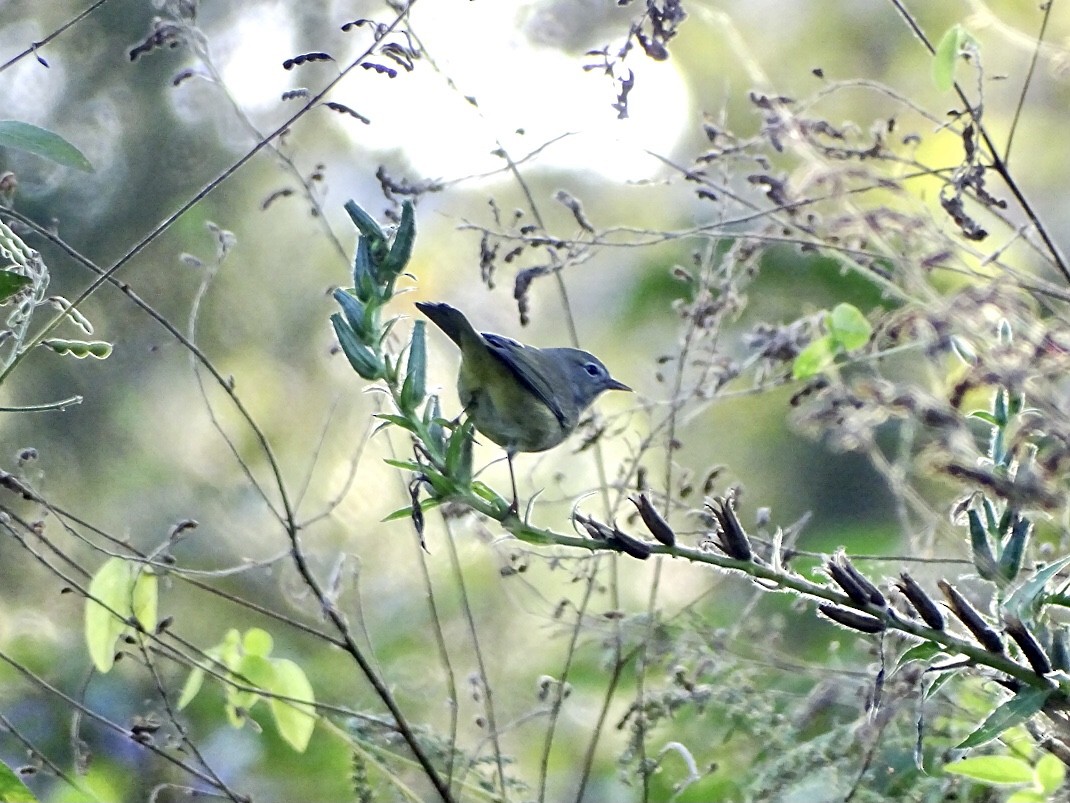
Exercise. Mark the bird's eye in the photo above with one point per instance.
(593, 369)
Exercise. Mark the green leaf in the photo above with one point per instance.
(848, 327)
(42, 142)
(12, 789)
(405, 465)
(229, 650)
(253, 670)
(459, 453)
(397, 420)
(144, 598)
(1021, 602)
(406, 512)
(110, 587)
(11, 283)
(295, 720)
(925, 651)
(813, 359)
(941, 680)
(984, 415)
(993, 769)
(257, 642)
(80, 349)
(401, 249)
(1013, 712)
(191, 687)
(1049, 773)
(946, 57)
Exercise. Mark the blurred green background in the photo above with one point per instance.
(141, 453)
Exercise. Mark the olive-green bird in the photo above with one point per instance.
(523, 398)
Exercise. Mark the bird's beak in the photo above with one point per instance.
(613, 384)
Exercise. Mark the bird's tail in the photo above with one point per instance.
(451, 321)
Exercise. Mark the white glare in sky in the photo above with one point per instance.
(517, 85)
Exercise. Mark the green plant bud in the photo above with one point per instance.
(360, 356)
(983, 559)
(401, 249)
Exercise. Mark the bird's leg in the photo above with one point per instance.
(514, 508)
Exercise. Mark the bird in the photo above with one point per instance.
(525, 399)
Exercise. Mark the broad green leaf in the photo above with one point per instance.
(1029, 796)
(12, 789)
(813, 359)
(230, 649)
(257, 642)
(191, 687)
(11, 283)
(993, 769)
(1050, 773)
(295, 720)
(1013, 712)
(42, 142)
(946, 57)
(255, 671)
(145, 598)
(112, 586)
(848, 327)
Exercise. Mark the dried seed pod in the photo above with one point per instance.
(629, 545)
(864, 623)
(1028, 643)
(922, 602)
(874, 594)
(731, 536)
(595, 529)
(844, 580)
(969, 616)
(658, 527)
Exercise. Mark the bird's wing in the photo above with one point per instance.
(505, 349)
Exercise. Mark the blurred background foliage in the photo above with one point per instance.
(143, 450)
